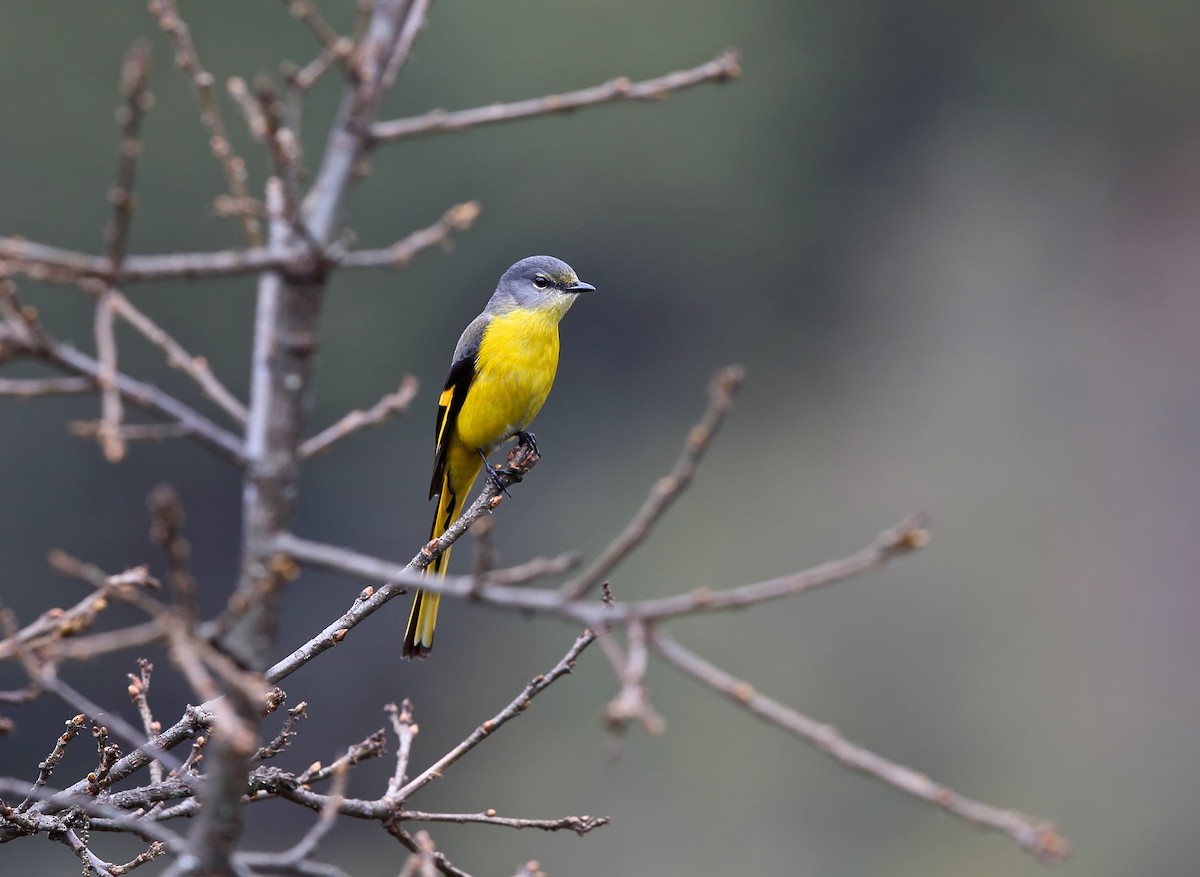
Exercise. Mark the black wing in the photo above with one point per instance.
(458, 384)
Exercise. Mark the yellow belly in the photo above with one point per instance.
(518, 356)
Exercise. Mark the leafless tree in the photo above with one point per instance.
(219, 757)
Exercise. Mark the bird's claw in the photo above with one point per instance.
(529, 440)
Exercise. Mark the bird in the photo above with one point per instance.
(501, 372)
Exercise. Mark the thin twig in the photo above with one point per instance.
(581, 825)
(414, 22)
(111, 411)
(44, 262)
(31, 388)
(907, 536)
(304, 78)
(721, 69)
(139, 691)
(536, 686)
(135, 71)
(234, 166)
(632, 702)
(77, 700)
(405, 730)
(92, 864)
(330, 39)
(130, 432)
(46, 767)
(152, 399)
(86, 648)
(240, 94)
(308, 844)
(166, 529)
(721, 391)
(1036, 836)
(396, 579)
(286, 732)
(195, 367)
(389, 406)
(458, 218)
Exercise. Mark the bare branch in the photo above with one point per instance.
(84, 648)
(536, 686)
(330, 39)
(405, 729)
(308, 844)
(109, 432)
(32, 341)
(632, 702)
(46, 768)
(130, 432)
(1036, 836)
(91, 862)
(134, 73)
(905, 537)
(303, 78)
(284, 738)
(166, 529)
(31, 388)
(581, 825)
(210, 115)
(390, 405)
(77, 700)
(251, 111)
(520, 460)
(458, 218)
(721, 391)
(414, 22)
(139, 692)
(195, 367)
(721, 69)
(43, 262)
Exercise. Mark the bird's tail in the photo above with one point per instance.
(418, 636)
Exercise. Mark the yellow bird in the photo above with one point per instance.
(502, 371)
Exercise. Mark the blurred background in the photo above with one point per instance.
(956, 247)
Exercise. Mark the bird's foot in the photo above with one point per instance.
(529, 440)
(494, 473)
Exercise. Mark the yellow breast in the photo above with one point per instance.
(518, 356)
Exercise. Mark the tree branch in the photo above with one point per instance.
(1036, 836)
(721, 69)
(188, 61)
(519, 704)
(386, 408)
(32, 388)
(721, 391)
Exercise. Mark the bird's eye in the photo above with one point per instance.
(541, 281)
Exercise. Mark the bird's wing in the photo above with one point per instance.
(458, 384)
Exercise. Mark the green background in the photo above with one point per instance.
(956, 248)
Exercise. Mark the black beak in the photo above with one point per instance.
(580, 286)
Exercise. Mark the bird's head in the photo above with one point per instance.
(540, 283)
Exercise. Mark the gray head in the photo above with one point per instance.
(540, 283)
